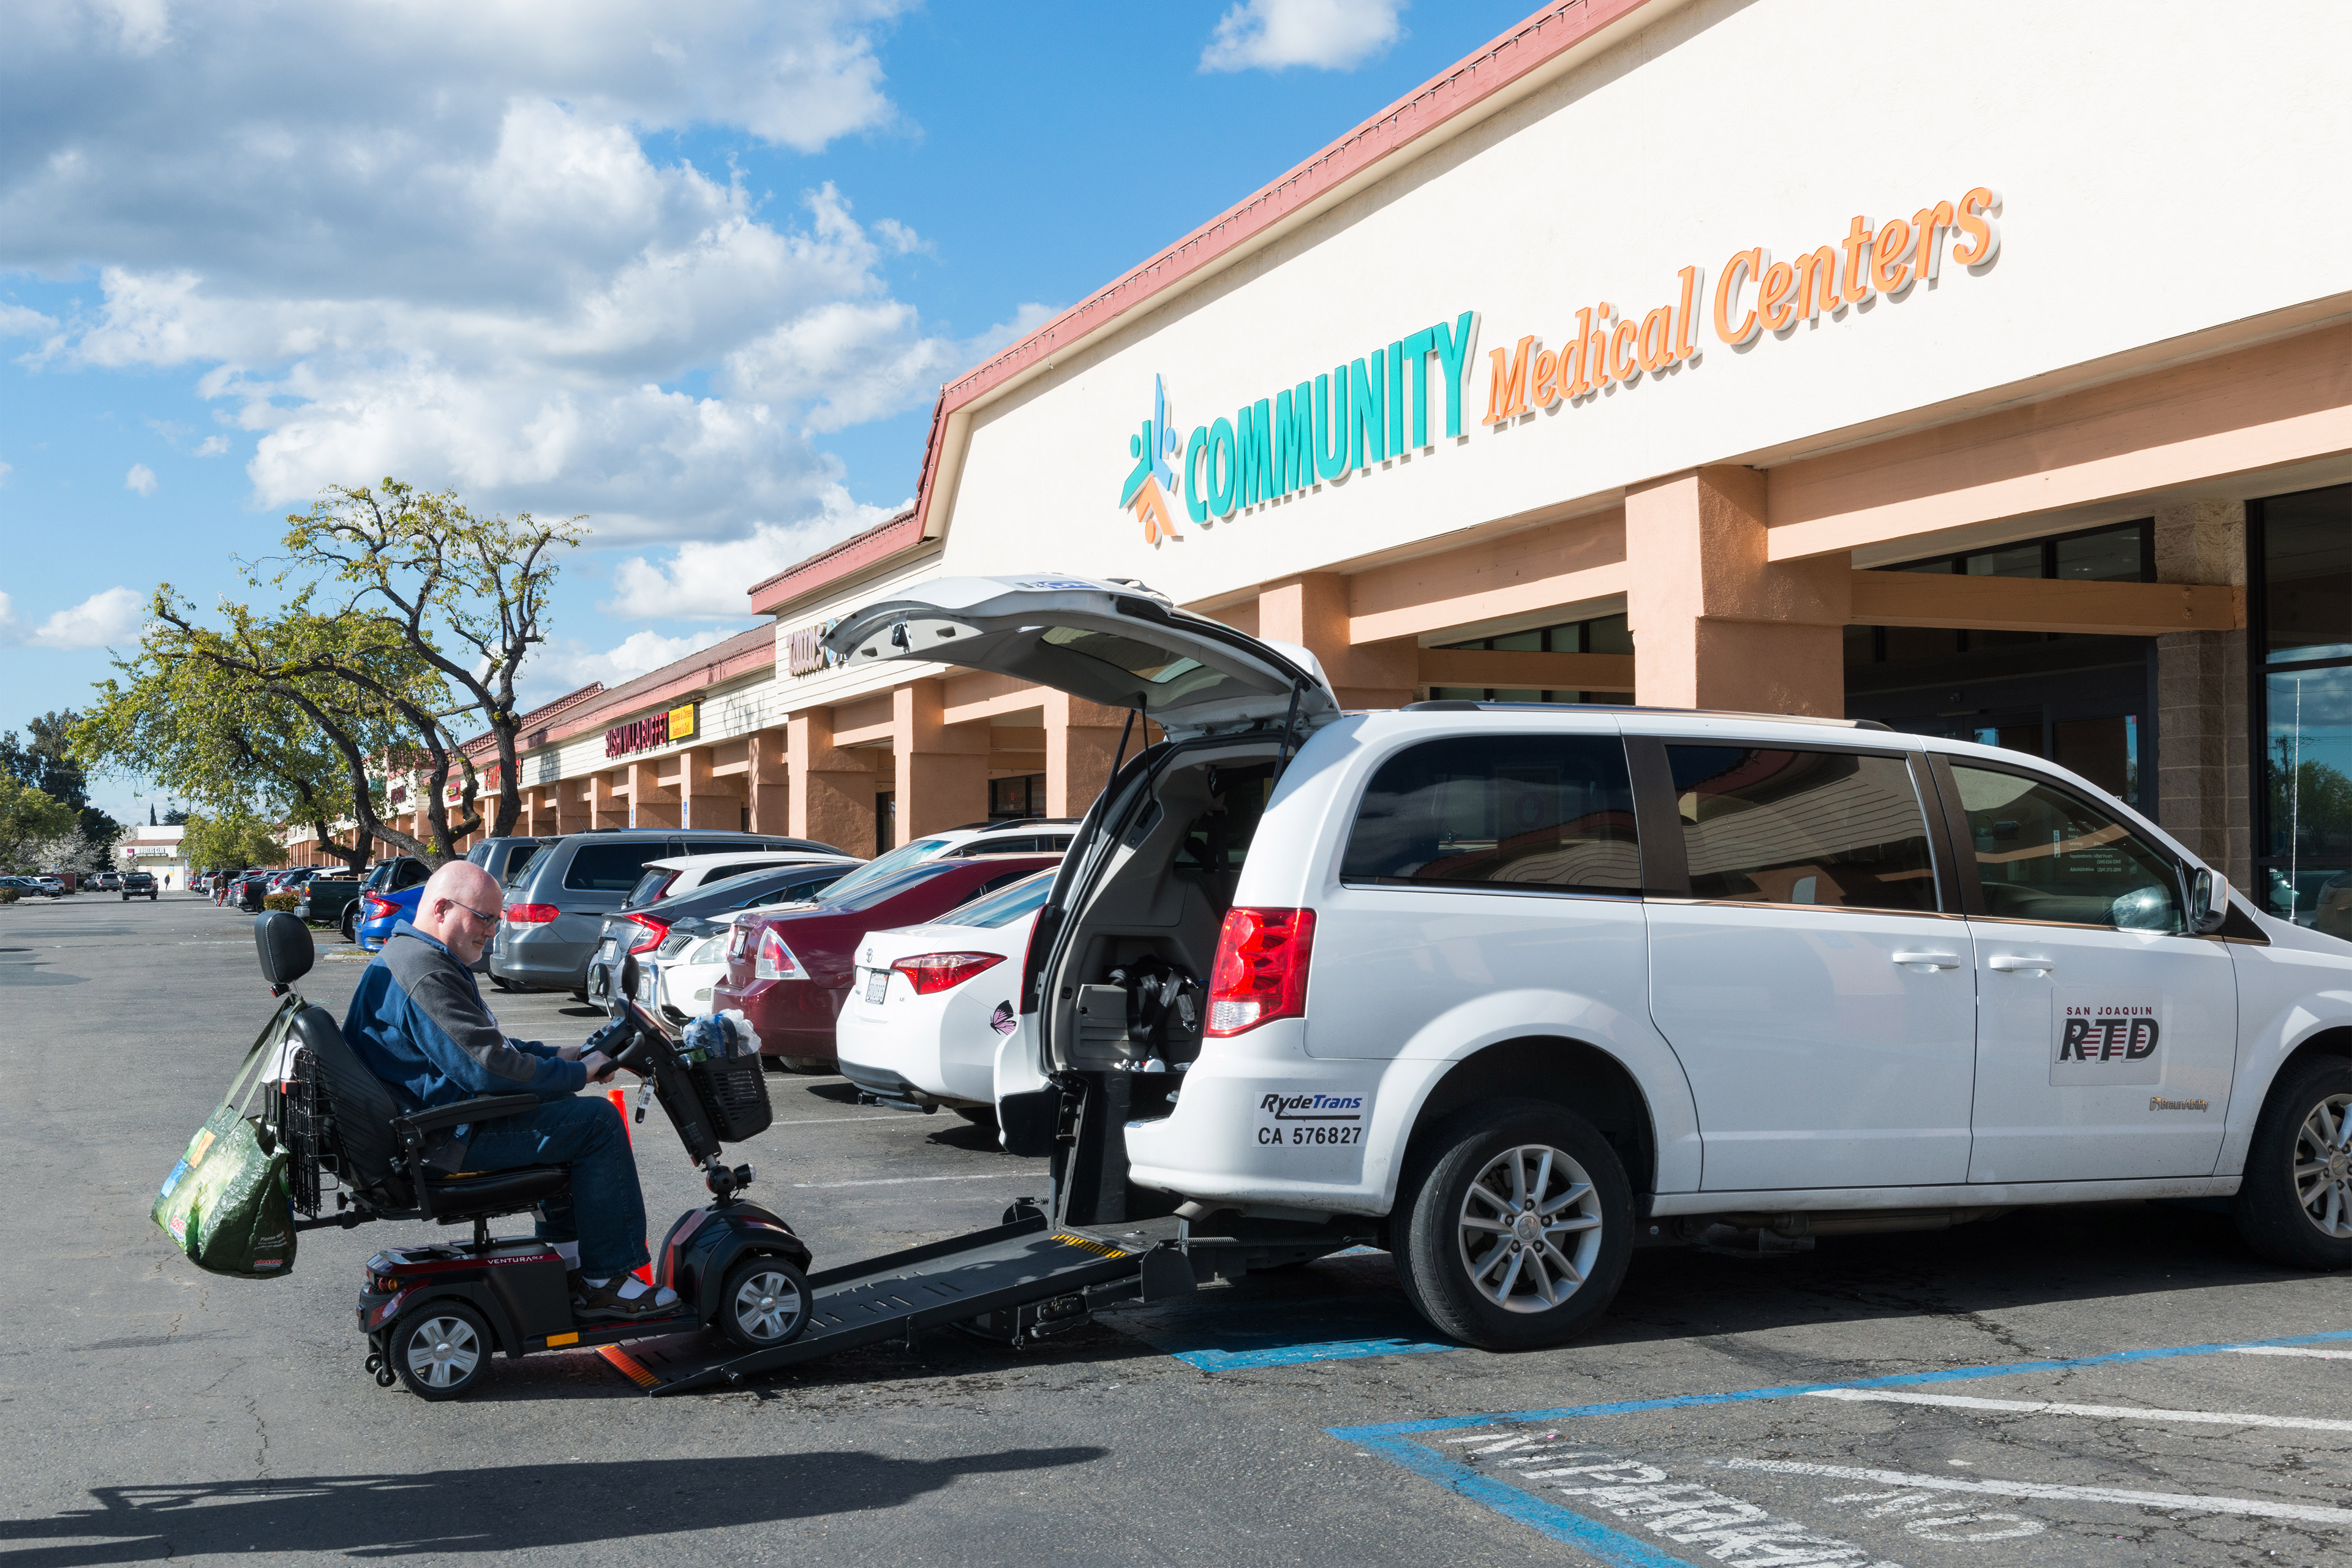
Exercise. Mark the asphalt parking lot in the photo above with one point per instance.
(2054, 1385)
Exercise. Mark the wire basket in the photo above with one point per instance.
(302, 1127)
(734, 1094)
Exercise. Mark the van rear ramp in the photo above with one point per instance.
(1010, 1282)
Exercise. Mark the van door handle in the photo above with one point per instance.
(1927, 959)
(2012, 964)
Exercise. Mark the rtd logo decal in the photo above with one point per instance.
(2129, 1033)
(2107, 1037)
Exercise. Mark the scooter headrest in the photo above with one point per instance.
(283, 944)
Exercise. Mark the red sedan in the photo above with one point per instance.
(791, 970)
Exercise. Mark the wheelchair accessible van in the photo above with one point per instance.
(433, 1315)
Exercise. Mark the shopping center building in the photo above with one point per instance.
(1981, 371)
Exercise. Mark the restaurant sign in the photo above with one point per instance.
(683, 723)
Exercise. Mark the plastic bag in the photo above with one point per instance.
(226, 1204)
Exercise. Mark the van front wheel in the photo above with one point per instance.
(1518, 1228)
(2294, 1205)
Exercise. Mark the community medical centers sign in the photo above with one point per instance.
(1368, 409)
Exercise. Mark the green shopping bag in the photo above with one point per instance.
(225, 1204)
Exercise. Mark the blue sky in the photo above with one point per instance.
(700, 280)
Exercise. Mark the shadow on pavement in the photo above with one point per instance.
(515, 1509)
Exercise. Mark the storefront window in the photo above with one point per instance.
(2082, 701)
(2302, 548)
(1603, 634)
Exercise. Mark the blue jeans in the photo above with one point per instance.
(603, 1210)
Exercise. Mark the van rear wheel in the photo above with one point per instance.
(2294, 1204)
(1519, 1227)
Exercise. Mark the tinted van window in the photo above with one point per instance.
(1767, 826)
(2043, 854)
(1535, 811)
(612, 868)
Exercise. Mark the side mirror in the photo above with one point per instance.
(2208, 901)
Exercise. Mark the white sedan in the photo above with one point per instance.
(930, 1003)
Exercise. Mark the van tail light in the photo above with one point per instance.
(1260, 973)
(529, 914)
(649, 933)
(775, 960)
(934, 972)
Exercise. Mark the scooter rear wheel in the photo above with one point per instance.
(764, 1303)
(440, 1350)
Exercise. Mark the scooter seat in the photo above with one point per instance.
(464, 1195)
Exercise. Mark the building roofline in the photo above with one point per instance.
(1467, 88)
(737, 655)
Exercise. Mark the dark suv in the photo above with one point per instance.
(138, 884)
(556, 906)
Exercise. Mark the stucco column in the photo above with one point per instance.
(1312, 610)
(1715, 624)
(942, 768)
(650, 805)
(607, 807)
(707, 802)
(831, 792)
(767, 786)
(573, 811)
(1081, 740)
(2203, 790)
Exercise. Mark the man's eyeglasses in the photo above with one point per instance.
(490, 918)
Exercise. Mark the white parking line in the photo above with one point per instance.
(812, 1120)
(2291, 1349)
(2253, 1508)
(2107, 1411)
(903, 1181)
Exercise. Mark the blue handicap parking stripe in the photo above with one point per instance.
(1393, 1441)
(1792, 1390)
(1220, 1359)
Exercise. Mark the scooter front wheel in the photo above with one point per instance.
(764, 1303)
(441, 1349)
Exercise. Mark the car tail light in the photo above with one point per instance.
(1260, 973)
(531, 914)
(649, 933)
(378, 908)
(775, 960)
(932, 972)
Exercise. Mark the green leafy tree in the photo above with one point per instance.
(32, 822)
(405, 610)
(226, 737)
(233, 837)
(45, 759)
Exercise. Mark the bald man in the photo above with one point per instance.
(417, 1020)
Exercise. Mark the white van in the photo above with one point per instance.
(1516, 988)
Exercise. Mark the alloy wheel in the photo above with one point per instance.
(766, 1305)
(1530, 1228)
(444, 1351)
(2323, 1166)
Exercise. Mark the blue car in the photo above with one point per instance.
(388, 897)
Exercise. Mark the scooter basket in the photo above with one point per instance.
(734, 1094)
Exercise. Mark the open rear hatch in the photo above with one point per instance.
(1117, 643)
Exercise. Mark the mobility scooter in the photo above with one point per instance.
(434, 1314)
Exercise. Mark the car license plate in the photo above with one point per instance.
(610, 948)
(877, 984)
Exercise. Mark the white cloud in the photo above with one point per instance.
(23, 321)
(212, 447)
(473, 273)
(5, 471)
(1328, 35)
(565, 664)
(140, 479)
(708, 582)
(99, 621)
